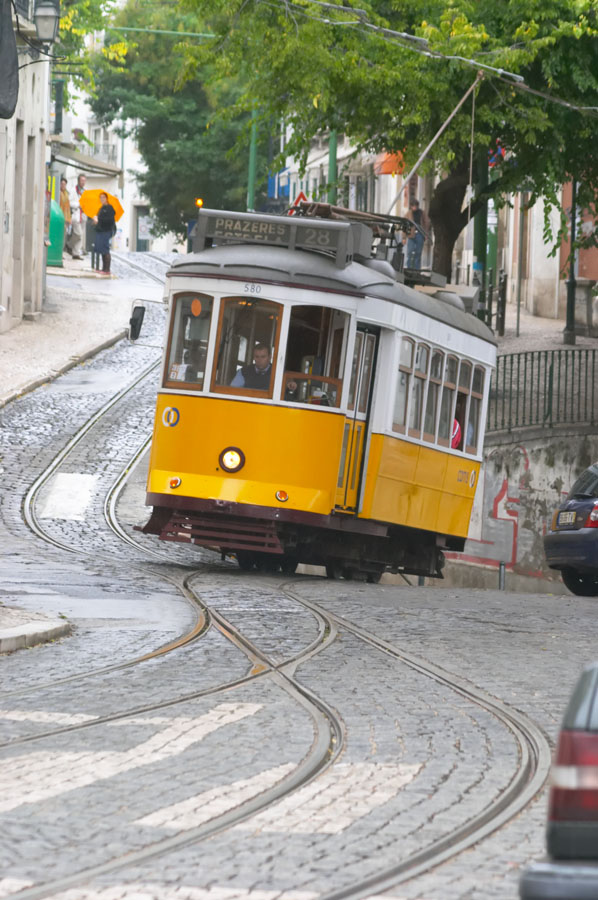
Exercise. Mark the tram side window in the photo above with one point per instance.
(420, 374)
(432, 401)
(475, 410)
(449, 385)
(247, 344)
(315, 356)
(188, 342)
(405, 374)
(462, 408)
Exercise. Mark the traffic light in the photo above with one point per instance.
(199, 202)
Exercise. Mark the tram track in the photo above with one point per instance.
(534, 764)
(533, 748)
(328, 729)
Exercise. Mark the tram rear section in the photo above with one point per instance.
(308, 400)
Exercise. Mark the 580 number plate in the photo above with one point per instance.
(566, 518)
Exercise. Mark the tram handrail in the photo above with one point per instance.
(544, 388)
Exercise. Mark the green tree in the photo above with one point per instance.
(324, 66)
(187, 150)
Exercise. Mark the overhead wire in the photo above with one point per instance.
(421, 46)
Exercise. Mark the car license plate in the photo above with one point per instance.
(566, 518)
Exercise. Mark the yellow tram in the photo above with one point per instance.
(308, 400)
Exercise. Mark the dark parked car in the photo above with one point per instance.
(571, 872)
(571, 545)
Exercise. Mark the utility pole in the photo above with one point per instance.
(569, 332)
(480, 224)
(252, 163)
(332, 168)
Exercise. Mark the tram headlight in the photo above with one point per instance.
(232, 459)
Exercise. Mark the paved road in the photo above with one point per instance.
(103, 760)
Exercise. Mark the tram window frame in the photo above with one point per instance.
(418, 390)
(475, 407)
(405, 370)
(228, 389)
(449, 388)
(317, 375)
(434, 394)
(179, 348)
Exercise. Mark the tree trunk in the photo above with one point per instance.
(447, 217)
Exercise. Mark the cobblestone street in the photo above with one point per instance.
(210, 734)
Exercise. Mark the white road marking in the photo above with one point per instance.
(335, 800)
(10, 886)
(36, 776)
(69, 497)
(205, 806)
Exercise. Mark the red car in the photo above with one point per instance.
(571, 872)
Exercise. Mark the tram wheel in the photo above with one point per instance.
(374, 577)
(246, 560)
(267, 562)
(288, 565)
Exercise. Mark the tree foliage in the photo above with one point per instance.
(319, 67)
(187, 150)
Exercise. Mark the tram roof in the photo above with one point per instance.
(307, 269)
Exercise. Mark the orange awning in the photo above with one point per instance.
(389, 164)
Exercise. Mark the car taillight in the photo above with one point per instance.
(574, 778)
(592, 520)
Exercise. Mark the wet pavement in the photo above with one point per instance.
(105, 758)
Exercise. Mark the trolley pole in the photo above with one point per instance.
(252, 163)
(332, 168)
(569, 332)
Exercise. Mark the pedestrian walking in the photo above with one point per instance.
(105, 230)
(75, 244)
(417, 236)
(65, 205)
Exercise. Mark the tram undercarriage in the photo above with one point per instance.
(346, 546)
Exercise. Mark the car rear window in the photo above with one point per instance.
(587, 484)
(582, 712)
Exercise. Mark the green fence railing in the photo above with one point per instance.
(544, 388)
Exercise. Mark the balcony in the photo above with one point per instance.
(105, 152)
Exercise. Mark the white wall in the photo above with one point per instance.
(22, 196)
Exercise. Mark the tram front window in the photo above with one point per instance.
(247, 346)
(315, 356)
(188, 341)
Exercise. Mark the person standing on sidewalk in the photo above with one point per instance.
(75, 243)
(105, 229)
(65, 205)
(418, 235)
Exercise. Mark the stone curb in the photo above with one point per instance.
(34, 633)
(74, 361)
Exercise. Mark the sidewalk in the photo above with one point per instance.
(84, 313)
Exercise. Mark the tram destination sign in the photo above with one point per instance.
(342, 240)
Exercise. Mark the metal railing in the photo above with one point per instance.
(493, 295)
(544, 388)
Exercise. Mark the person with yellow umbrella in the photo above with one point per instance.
(104, 209)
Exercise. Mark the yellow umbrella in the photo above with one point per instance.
(89, 201)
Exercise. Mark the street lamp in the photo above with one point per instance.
(46, 18)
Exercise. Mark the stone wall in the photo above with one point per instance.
(524, 478)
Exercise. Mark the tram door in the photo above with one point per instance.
(355, 433)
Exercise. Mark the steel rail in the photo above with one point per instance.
(327, 745)
(529, 778)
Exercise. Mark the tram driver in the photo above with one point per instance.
(256, 375)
